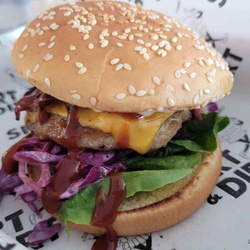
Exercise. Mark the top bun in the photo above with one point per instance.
(116, 56)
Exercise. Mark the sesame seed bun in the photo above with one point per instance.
(148, 217)
(116, 56)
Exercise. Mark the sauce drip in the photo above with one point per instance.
(71, 135)
(34, 99)
(123, 138)
(68, 171)
(9, 165)
(106, 212)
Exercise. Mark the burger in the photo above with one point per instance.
(122, 141)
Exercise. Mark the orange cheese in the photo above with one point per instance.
(129, 131)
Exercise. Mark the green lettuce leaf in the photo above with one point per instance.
(165, 166)
(202, 134)
(80, 207)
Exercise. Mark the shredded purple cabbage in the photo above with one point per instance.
(197, 114)
(43, 231)
(212, 107)
(95, 174)
(8, 182)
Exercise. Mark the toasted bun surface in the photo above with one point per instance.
(116, 56)
(170, 211)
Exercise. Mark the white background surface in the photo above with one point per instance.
(225, 225)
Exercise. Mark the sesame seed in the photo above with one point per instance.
(162, 43)
(207, 91)
(217, 64)
(72, 47)
(199, 47)
(174, 39)
(170, 88)
(127, 66)
(104, 43)
(146, 56)
(141, 92)
(163, 37)
(196, 99)
(47, 81)
(93, 101)
(192, 75)
(41, 33)
(214, 99)
(168, 46)
(213, 72)
(178, 47)
(177, 73)
(222, 66)
(155, 37)
(131, 37)
(101, 37)
(156, 80)
(148, 44)
(186, 87)
(76, 96)
(52, 38)
(36, 68)
(41, 44)
(140, 41)
(201, 93)
(201, 63)
(137, 48)
(114, 33)
(73, 91)
(86, 37)
(51, 45)
(204, 104)
(127, 30)
(79, 65)
(210, 79)
(119, 44)
(179, 34)
(183, 71)
(142, 51)
(28, 73)
(21, 56)
(82, 71)
(114, 61)
(122, 37)
(66, 58)
(213, 53)
(138, 34)
(25, 47)
(120, 96)
(187, 64)
(171, 102)
(151, 92)
(160, 109)
(131, 90)
(155, 47)
(48, 57)
(119, 67)
(91, 46)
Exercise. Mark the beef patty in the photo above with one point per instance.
(92, 138)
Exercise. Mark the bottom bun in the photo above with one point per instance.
(170, 211)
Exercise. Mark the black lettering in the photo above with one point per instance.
(246, 167)
(225, 154)
(1, 224)
(12, 94)
(2, 98)
(24, 130)
(242, 187)
(13, 134)
(242, 175)
(10, 107)
(22, 239)
(227, 54)
(8, 247)
(16, 220)
(2, 111)
(213, 199)
(221, 4)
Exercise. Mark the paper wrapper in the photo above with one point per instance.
(223, 222)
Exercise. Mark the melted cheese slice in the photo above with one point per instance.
(129, 131)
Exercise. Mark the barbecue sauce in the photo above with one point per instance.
(106, 212)
(9, 165)
(68, 171)
(34, 98)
